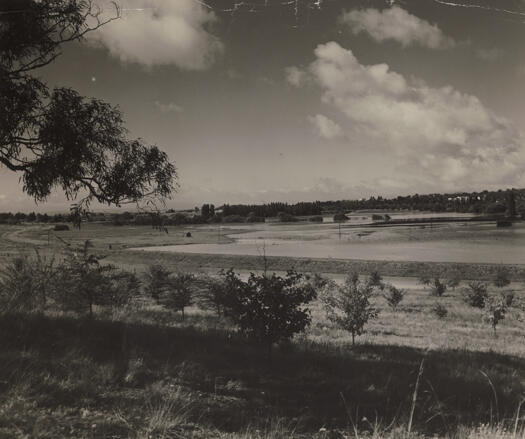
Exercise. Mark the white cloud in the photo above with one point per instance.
(295, 76)
(438, 135)
(396, 24)
(170, 107)
(326, 127)
(153, 32)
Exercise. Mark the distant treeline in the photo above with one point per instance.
(468, 202)
(273, 209)
(509, 202)
(15, 218)
(474, 202)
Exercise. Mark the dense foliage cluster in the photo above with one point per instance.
(268, 308)
(56, 138)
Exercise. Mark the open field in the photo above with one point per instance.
(141, 372)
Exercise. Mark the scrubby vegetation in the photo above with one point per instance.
(124, 364)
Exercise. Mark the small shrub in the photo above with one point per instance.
(319, 281)
(340, 217)
(502, 278)
(178, 294)
(157, 281)
(286, 217)
(509, 298)
(252, 218)
(424, 279)
(316, 219)
(475, 294)
(20, 287)
(82, 282)
(453, 280)
(496, 310)
(60, 227)
(375, 280)
(438, 287)
(394, 296)
(124, 287)
(439, 310)
(209, 293)
(349, 306)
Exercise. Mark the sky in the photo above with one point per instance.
(305, 100)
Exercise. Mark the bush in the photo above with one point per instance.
(268, 308)
(82, 283)
(439, 310)
(509, 298)
(157, 281)
(453, 280)
(475, 294)
(210, 293)
(375, 280)
(286, 217)
(424, 279)
(496, 310)
(502, 278)
(438, 287)
(349, 306)
(60, 227)
(316, 219)
(394, 296)
(124, 287)
(253, 218)
(340, 217)
(21, 287)
(178, 295)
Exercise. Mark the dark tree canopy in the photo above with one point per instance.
(57, 138)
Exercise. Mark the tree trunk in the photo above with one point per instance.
(353, 338)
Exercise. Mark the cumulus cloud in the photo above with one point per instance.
(326, 127)
(398, 25)
(295, 76)
(440, 135)
(153, 32)
(170, 107)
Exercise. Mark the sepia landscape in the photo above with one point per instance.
(262, 219)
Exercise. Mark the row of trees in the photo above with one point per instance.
(475, 294)
(77, 283)
(266, 308)
(491, 202)
(270, 210)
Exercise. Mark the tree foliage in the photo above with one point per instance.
(268, 308)
(496, 310)
(157, 281)
(393, 296)
(22, 286)
(502, 278)
(438, 287)
(57, 138)
(349, 305)
(476, 294)
(178, 294)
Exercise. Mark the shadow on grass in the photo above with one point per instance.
(73, 362)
